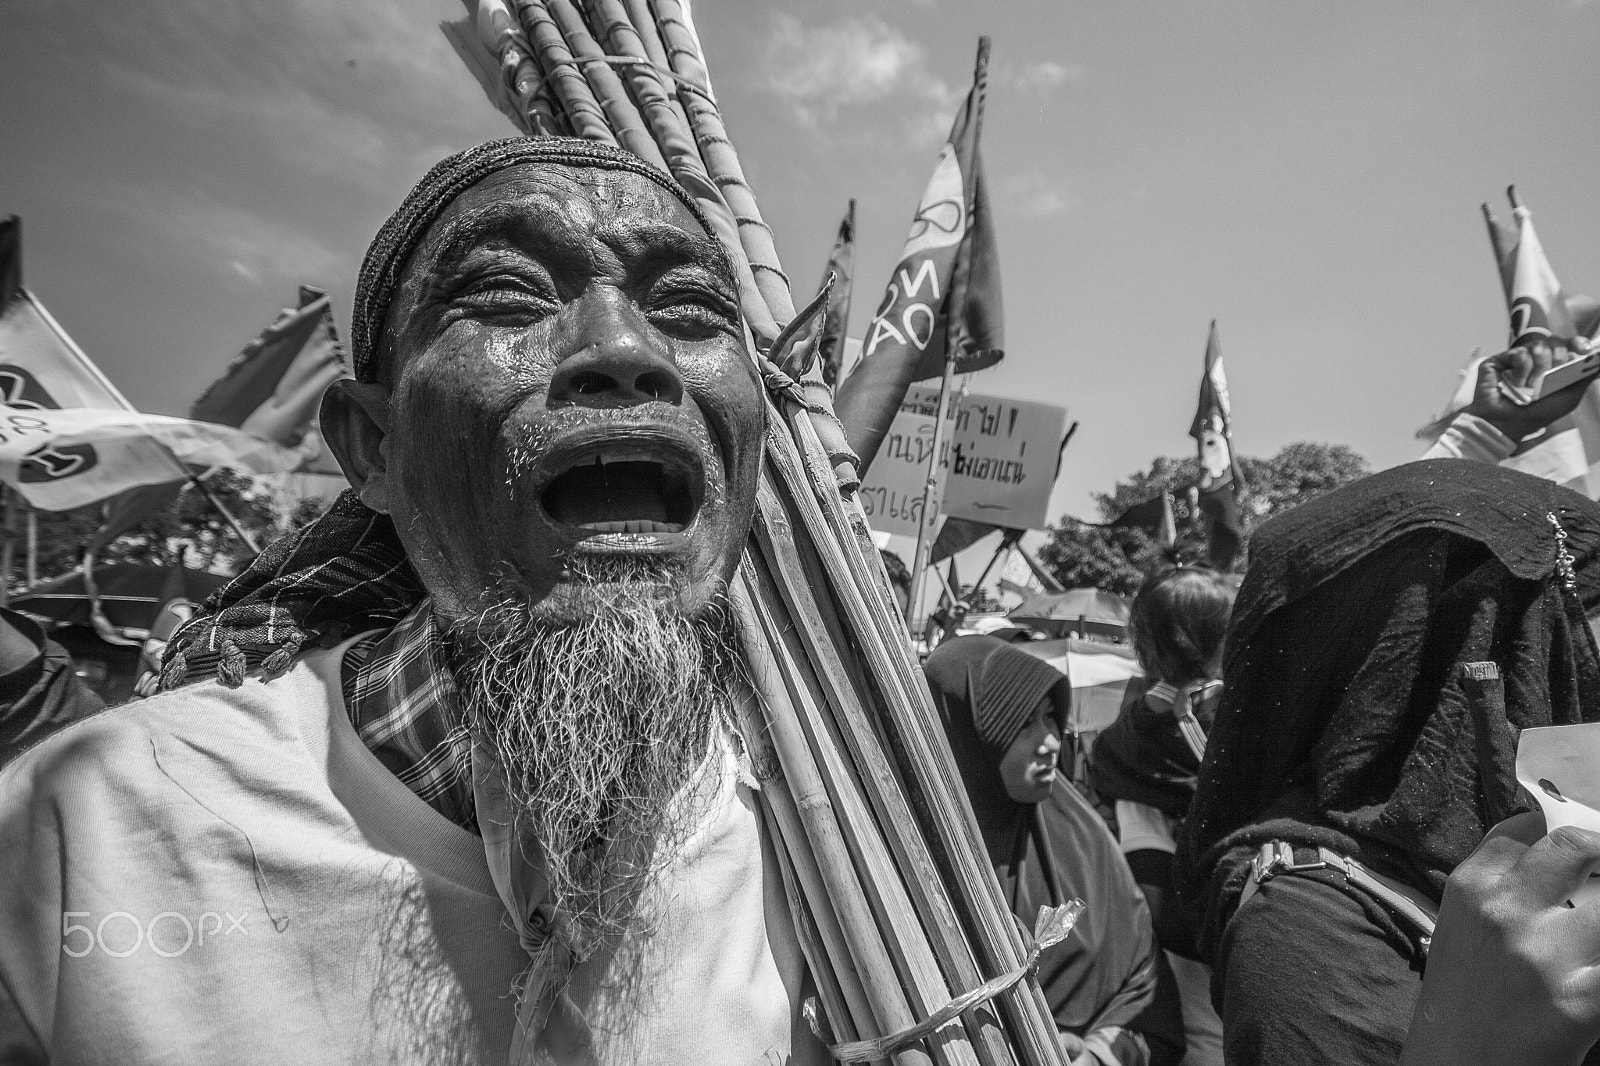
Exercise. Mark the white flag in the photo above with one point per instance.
(73, 439)
(1567, 452)
(42, 452)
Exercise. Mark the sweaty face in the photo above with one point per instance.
(571, 397)
(1028, 767)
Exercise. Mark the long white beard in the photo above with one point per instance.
(598, 723)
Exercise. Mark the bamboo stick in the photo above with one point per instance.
(816, 926)
(583, 111)
(722, 162)
(676, 139)
(502, 34)
(627, 125)
(795, 574)
(837, 872)
(635, 32)
(905, 935)
(643, 24)
(838, 1010)
(910, 726)
(657, 104)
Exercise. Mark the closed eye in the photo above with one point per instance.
(691, 309)
(507, 295)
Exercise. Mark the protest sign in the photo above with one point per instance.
(1000, 458)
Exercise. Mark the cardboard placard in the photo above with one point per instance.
(999, 457)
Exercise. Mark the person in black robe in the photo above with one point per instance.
(1389, 641)
(1108, 985)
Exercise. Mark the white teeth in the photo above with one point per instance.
(641, 525)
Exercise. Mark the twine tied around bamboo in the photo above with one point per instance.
(1051, 928)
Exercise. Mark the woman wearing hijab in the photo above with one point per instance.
(1107, 985)
(1389, 642)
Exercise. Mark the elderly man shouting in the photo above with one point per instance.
(468, 788)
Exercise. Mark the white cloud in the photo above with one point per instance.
(818, 72)
(1039, 77)
(259, 249)
(1034, 195)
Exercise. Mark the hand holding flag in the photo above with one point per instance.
(1506, 379)
(1545, 322)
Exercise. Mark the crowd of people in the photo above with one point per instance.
(455, 775)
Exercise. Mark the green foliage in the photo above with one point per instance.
(1083, 555)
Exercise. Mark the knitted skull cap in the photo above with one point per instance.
(398, 238)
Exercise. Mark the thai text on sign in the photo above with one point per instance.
(999, 457)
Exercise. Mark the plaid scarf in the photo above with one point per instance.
(402, 701)
(345, 573)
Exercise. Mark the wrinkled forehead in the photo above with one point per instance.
(561, 211)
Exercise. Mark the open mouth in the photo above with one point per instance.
(627, 491)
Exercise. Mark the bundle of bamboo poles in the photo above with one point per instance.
(914, 952)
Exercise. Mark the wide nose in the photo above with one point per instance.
(613, 361)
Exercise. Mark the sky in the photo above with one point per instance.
(1308, 174)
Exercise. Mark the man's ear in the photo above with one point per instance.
(355, 423)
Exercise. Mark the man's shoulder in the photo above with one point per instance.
(114, 747)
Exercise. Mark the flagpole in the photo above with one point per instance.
(1046, 578)
(954, 348)
(931, 496)
(1007, 538)
(949, 589)
(31, 566)
(242, 533)
(8, 550)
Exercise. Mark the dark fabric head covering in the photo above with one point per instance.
(400, 235)
(347, 571)
(1011, 684)
(1346, 720)
(1106, 973)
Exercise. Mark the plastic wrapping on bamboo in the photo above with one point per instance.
(896, 908)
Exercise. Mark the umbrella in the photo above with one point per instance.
(1081, 612)
(1099, 674)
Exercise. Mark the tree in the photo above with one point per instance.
(1082, 554)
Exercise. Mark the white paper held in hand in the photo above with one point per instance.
(1559, 765)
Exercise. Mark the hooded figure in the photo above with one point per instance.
(1355, 719)
(1004, 712)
